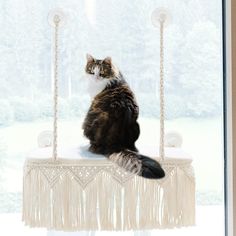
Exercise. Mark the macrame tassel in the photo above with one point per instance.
(60, 197)
(36, 195)
(185, 192)
(130, 192)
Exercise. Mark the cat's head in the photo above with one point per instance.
(100, 69)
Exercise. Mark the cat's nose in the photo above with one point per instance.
(96, 71)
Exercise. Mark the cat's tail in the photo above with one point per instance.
(138, 164)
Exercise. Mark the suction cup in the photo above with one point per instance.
(57, 16)
(45, 139)
(160, 15)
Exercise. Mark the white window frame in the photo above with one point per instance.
(230, 89)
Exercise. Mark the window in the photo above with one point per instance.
(193, 80)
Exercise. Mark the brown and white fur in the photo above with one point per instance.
(111, 122)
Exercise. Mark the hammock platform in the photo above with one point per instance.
(89, 192)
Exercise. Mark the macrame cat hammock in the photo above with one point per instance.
(89, 192)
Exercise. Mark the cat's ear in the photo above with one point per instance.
(89, 57)
(107, 60)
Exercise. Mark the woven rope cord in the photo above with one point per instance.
(55, 95)
(161, 88)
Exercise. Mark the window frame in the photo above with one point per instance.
(229, 74)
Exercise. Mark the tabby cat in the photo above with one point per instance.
(111, 122)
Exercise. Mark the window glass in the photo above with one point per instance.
(121, 29)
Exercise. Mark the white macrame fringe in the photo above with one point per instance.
(56, 198)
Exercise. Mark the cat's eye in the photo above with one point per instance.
(90, 70)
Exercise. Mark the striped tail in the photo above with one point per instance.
(138, 164)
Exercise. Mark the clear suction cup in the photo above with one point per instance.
(57, 16)
(45, 139)
(160, 15)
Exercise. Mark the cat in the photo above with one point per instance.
(111, 121)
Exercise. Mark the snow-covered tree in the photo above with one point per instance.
(201, 73)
